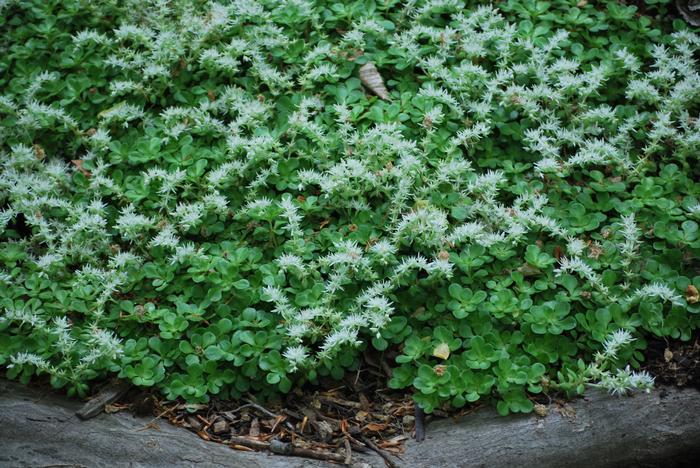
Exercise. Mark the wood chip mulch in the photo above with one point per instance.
(326, 425)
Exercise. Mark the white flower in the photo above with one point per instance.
(340, 337)
(290, 261)
(576, 265)
(631, 234)
(106, 341)
(657, 290)
(440, 266)
(47, 260)
(383, 249)
(642, 381)
(275, 294)
(297, 331)
(185, 252)
(425, 226)
(130, 223)
(297, 356)
(473, 231)
(165, 238)
(24, 315)
(575, 247)
(290, 211)
(353, 321)
(122, 259)
(23, 358)
(309, 314)
(258, 204)
(625, 380)
(615, 341)
(189, 214)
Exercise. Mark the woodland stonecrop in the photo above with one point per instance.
(202, 197)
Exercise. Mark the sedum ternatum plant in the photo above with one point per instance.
(203, 197)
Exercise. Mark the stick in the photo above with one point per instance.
(359, 446)
(250, 443)
(338, 401)
(283, 448)
(111, 393)
(348, 452)
(318, 454)
(420, 422)
(158, 417)
(380, 452)
(386, 368)
(256, 406)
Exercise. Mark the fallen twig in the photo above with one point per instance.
(339, 401)
(149, 424)
(318, 454)
(109, 394)
(386, 368)
(387, 459)
(285, 448)
(256, 406)
(250, 443)
(348, 452)
(419, 422)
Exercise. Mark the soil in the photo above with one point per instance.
(674, 362)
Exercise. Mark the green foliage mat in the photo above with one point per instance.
(203, 197)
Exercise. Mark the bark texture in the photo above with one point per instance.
(648, 430)
(40, 429)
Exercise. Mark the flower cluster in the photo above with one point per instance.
(194, 196)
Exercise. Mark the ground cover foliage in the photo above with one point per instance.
(203, 198)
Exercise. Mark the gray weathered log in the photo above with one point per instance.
(107, 395)
(646, 430)
(38, 428)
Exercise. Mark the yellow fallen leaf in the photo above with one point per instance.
(442, 351)
(668, 355)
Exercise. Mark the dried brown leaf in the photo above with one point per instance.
(79, 165)
(375, 427)
(442, 351)
(668, 355)
(254, 428)
(692, 295)
(370, 77)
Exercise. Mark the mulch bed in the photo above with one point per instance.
(358, 414)
(327, 425)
